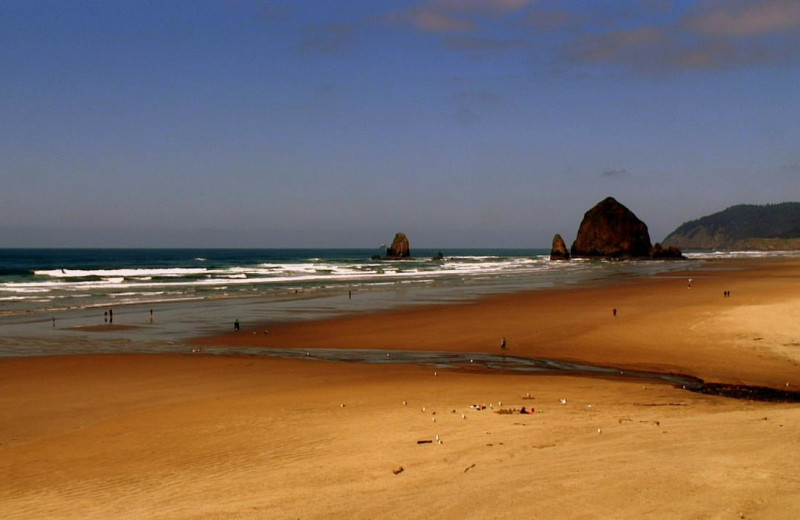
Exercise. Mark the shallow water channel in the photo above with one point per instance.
(515, 364)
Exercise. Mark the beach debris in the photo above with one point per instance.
(506, 411)
(563, 401)
(398, 470)
(425, 441)
(469, 467)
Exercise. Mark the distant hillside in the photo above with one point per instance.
(742, 227)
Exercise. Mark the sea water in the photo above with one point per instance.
(161, 296)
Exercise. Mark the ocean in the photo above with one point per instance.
(55, 280)
(195, 291)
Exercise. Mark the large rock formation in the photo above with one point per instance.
(610, 230)
(400, 247)
(559, 249)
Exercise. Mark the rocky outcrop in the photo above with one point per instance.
(666, 253)
(559, 249)
(400, 248)
(610, 230)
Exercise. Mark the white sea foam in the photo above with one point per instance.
(106, 273)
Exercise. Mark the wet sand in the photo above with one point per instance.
(661, 324)
(197, 436)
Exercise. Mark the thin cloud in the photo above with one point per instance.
(453, 16)
(714, 36)
(429, 20)
(791, 167)
(483, 98)
(553, 20)
(614, 173)
(466, 116)
(739, 18)
(327, 39)
(481, 44)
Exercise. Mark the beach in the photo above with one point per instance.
(210, 436)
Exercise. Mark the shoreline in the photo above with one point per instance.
(189, 435)
(662, 325)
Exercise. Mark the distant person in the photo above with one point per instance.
(151, 315)
(105, 317)
(614, 312)
(349, 295)
(236, 325)
(54, 323)
(503, 344)
(111, 315)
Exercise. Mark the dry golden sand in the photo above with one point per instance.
(194, 436)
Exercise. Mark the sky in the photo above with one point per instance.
(463, 123)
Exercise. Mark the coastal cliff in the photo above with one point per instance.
(742, 227)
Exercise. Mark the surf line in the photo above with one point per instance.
(515, 364)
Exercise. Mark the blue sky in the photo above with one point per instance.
(468, 123)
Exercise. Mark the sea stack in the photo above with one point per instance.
(400, 247)
(559, 249)
(610, 230)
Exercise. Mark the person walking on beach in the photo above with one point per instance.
(111, 315)
(236, 325)
(503, 344)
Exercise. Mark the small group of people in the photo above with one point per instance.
(726, 294)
